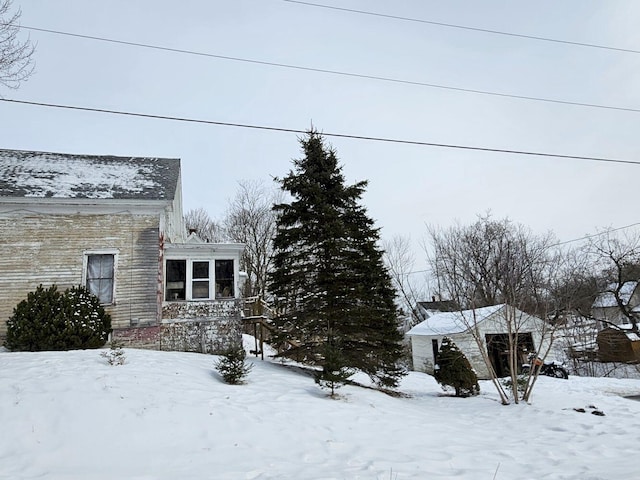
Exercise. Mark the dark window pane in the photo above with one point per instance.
(200, 269)
(224, 278)
(176, 280)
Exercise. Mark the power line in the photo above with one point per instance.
(326, 134)
(465, 27)
(334, 72)
(587, 237)
(581, 239)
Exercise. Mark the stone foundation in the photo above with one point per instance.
(201, 327)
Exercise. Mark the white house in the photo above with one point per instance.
(490, 324)
(605, 307)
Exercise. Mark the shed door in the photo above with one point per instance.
(498, 351)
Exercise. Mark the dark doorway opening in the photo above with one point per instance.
(434, 347)
(498, 350)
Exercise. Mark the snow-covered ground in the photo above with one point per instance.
(166, 415)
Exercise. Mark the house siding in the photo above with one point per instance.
(49, 249)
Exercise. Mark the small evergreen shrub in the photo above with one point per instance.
(232, 366)
(522, 381)
(50, 320)
(115, 355)
(334, 372)
(454, 370)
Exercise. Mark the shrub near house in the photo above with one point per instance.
(50, 320)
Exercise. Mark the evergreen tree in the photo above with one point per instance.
(454, 370)
(50, 320)
(334, 373)
(328, 273)
(232, 366)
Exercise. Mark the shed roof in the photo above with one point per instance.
(65, 176)
(453, 322)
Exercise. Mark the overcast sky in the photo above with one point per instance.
(408, 185)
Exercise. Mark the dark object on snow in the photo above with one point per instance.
(593, 408)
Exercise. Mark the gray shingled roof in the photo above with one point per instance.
(61, 175)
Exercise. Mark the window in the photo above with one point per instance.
(100, 278)
(200, 280)
(176, 280)
(224, 278)
(187, 279)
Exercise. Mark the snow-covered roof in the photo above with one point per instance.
(607, 299)
(57, 175)
(453, 322)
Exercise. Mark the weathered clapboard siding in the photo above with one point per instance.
(46, 249)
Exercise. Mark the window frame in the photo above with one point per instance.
(216, 280)
(211, 279)
(201, 280)
(85, 264)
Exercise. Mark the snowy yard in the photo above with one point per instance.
(166, 415)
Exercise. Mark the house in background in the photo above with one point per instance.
(616, 339)
(490, 323)
(115, 225)
(606, 310)
(428, 309)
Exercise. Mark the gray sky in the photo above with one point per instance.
(408, 185)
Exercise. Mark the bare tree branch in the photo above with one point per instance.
(400, 262)
(16, 57)
(199, 221)
(250, 219)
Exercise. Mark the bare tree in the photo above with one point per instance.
(250, 219)
(16, 57)
(199, 221)
(492, 262)
(400, 261)
(617, 257)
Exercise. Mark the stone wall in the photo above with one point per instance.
(201, 327)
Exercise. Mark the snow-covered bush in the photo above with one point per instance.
(115, 355)
(454, 370)
(232, 366)
(50, 320)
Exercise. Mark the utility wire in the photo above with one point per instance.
(464, 27)
(334, 72)
(326, 134)
(599, 234)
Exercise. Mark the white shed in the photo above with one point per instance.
(491, 326)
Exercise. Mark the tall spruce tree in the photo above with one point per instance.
(329, 278)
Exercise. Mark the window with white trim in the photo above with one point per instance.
(100, 276)
(224, 278)
(188, 279)
(176, 280)
(200, 280)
